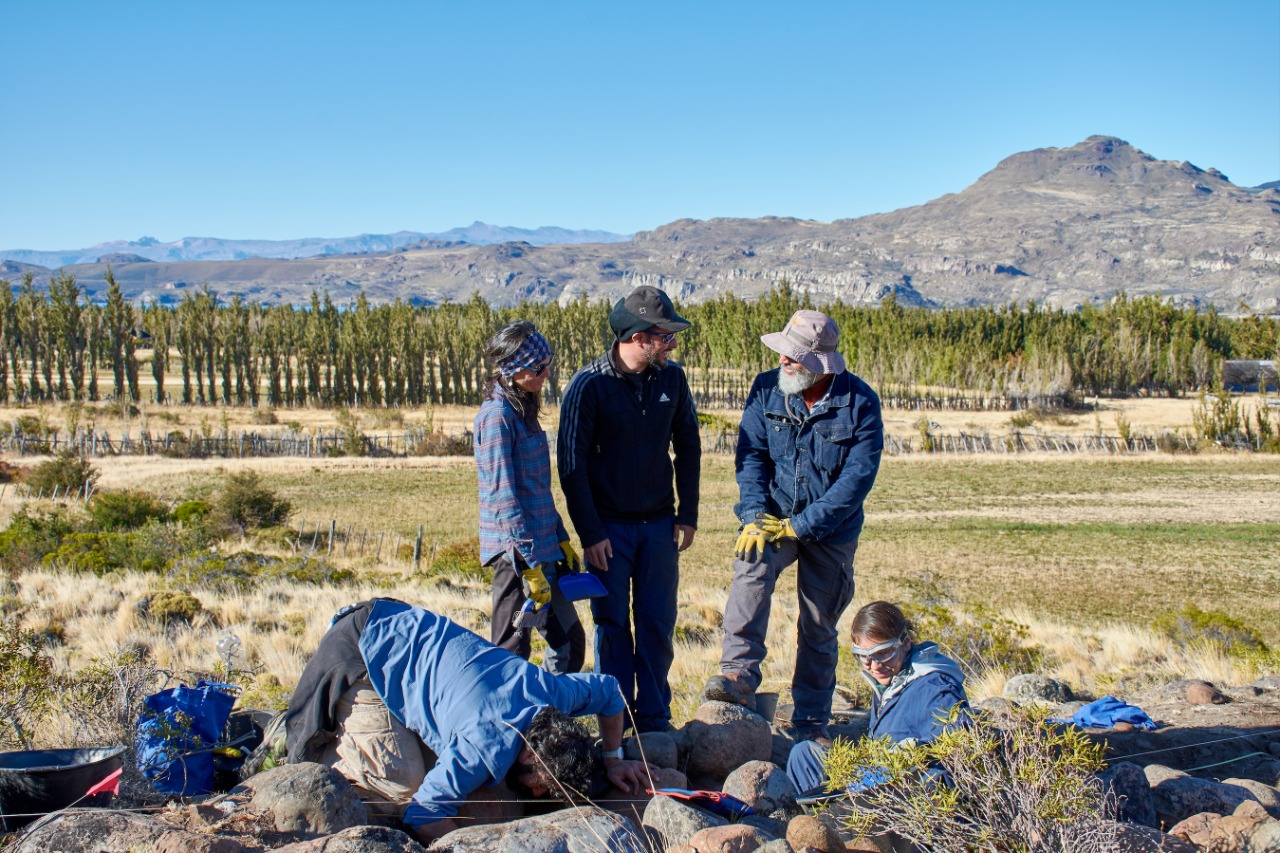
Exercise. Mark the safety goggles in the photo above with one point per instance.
(881, 654)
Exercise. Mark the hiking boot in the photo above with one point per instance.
(731, 688)
(814, 733)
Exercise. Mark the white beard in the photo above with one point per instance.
(798, 382)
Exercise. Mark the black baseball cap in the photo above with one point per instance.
(644, 309)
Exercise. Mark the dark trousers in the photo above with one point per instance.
(641, 581)
(566, 639)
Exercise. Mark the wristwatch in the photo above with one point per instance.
(611, 753)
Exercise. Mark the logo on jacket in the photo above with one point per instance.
(664, 398)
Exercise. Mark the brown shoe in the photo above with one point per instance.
(731, 688)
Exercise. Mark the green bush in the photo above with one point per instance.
(26, 683)
(459, 560)
(1028, 787)
(171, 607)
(30, 536)
(244, 501)
(67, 472)
(245, 571)
(190, 511)
(91, 553)
(124, 510)
(973, 635)
(1192, 625)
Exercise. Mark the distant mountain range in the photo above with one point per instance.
(216, 249)
(1058, 226)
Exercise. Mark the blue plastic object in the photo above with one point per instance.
(177, 732)
(577, 587)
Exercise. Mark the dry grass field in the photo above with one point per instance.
(1086, 551)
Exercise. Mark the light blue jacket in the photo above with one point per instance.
(915, 703)
(467, 699)
(814, 467)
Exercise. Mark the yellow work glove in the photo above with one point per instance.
(776, 528)
(571, 558)
(751, 540)
(536, 587)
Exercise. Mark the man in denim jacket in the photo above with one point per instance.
(808, 451)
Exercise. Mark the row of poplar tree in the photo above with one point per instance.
(55, 342)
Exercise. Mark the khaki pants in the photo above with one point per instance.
(375, 751)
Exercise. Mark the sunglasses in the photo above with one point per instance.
(881, 654)
(665, 337)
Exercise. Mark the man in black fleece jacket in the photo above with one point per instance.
(620, 418)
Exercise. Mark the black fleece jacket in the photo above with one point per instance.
(617, 431)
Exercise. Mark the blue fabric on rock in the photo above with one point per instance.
(1106, 712)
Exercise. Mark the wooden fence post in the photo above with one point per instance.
(333, 526)
(417, 549)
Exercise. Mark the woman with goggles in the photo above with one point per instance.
(913, 689)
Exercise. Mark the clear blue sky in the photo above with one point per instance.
(282, 119)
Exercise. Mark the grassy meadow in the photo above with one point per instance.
(1086, 552)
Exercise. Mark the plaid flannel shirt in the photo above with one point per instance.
(517, 510)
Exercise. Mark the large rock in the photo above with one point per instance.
(807, 831)
(358, 839)
(1031, 687)
(762, 785)
(99, 831)
(1177, 798)
(657, 748)
(734, 838)
(306, 799)
(1266, 795)
(1248, 830)
(1131, 838)
(672, 822)
(723, 737)
(1203, 693)
(577, 830)
(1133, 791)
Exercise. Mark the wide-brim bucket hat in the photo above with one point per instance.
(810, 337)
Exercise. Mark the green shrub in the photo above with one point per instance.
(1192, 625)
(352, 437)
(265, 417)
(459, 559)
(30, 536)
(26, 683)
(89, 553)
(244, 501)
(67, 472)
(124, 510)
(245, 571)
(973, 635)
(387, 418)
(171, 607)
(1026, 418)
(438, 444)
(1029, 787)
(190, 511)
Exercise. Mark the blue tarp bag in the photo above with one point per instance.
(177, 732)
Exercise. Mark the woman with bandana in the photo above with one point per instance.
(521, 534)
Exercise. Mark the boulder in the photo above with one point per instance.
(1133, 792)
(1203, 693)
(358, 839)
(1131, 838)
(770, 826)
(780, 845)
(1246, 830)
(307, 799)
(1031, 687)
(1178, 797)
(101, 831)
(1266, 795)
(657, 748)
(576, 830)
(672, 822)
(996, 706)
(762, 785)
(807, 831)
(735, 838)
(723, 737)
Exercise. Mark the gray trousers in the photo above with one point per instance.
(824, 577)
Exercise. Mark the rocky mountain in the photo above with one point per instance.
(217, 249)
(1060, 226)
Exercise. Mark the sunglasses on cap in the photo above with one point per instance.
(881, 654)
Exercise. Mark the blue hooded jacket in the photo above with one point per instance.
(467, 699)
(915, 703)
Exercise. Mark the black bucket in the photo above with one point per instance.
(38, 781)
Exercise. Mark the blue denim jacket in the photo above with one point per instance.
(814, 467)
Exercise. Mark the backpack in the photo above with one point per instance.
(177, 733)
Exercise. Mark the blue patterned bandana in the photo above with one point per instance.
(532, 354)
